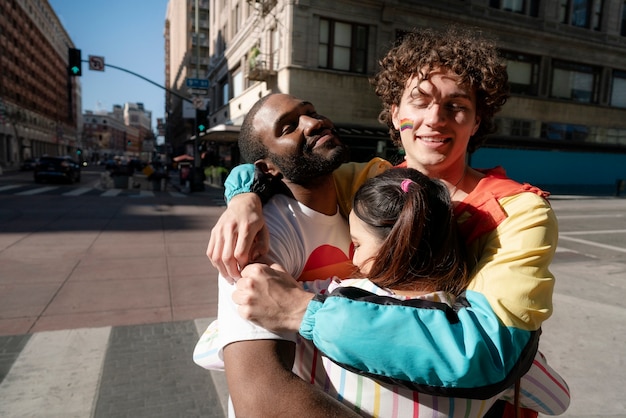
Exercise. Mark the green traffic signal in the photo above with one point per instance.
(201, 121)
(74, 62)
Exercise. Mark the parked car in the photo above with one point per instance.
(28, 164)
(57, 168)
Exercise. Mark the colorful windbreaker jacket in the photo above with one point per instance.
(481, 345)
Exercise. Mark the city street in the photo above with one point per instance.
(102, 299)
(102, 296)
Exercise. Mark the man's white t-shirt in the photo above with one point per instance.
(309, 245)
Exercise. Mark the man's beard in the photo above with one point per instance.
(307, 167)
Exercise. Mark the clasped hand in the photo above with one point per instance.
(270, 297)
(265, 294)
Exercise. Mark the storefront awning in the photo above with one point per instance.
(221, 133)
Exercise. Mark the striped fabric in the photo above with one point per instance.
(542, 388)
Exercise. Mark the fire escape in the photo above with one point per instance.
(261, 66)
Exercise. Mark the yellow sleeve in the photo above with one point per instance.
(350, 176)
(512, 262)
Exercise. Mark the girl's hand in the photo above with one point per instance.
(270, 297)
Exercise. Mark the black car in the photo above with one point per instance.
(28, 164)
(57, 168)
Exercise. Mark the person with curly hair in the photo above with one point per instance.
(440, 91)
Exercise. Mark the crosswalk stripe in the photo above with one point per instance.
(46, 371)
(120, 371)
(144, 193)
(111, 193)
(38, 190)
(10, 187)
(31, 191)
(78, 192)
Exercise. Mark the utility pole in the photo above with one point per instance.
(198, 175)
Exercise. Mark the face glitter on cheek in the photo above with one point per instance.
(406, 124)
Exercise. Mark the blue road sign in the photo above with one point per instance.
(197, 83)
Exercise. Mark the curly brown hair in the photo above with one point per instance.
(474, 58)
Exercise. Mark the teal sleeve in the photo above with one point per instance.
(464, 351)
(239, 181)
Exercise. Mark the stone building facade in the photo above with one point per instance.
(566, 60)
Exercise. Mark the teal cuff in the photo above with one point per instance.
(308, 321)
(239, 181)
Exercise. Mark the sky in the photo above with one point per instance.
(128, 34)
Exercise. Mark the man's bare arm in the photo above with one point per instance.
(239, 236)
(261, 383)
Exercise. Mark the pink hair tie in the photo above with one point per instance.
(405, 185)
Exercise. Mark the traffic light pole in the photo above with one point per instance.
(148, 80)
(197, 173)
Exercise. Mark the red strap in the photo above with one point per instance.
(510, 412)
(480, 212)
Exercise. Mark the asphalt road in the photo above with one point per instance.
(585, 338)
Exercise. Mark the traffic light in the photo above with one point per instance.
(201, 121)
(74, 67)
(79, 151)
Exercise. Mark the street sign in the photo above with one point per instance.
(199, 92)
(96, 63)
(197, 83)
(189, 111)
(199, 103)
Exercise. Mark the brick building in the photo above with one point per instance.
(39, 102)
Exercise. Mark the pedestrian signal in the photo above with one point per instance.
(75, 64)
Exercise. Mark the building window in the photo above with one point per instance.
(618, 89)
(575, 82)
(238, 82)
(522, 128)
(616, 136)
(564, 132)
(581, 13)
(523, 71)
(525, 7)
(275, 49)
(343, 46)
(223, 92)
